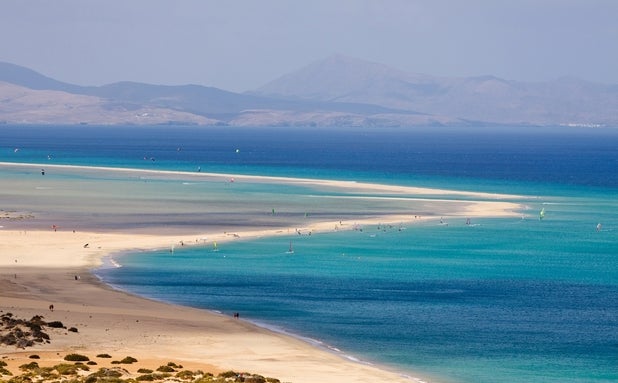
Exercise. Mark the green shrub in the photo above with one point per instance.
(165, 369)
(185, 375)
(104, 356)
(255, 379)
(47, 373)
(4, 371)
(144, 371)
(66, 369)
(228, 374)
(20, 379)
(107, 373)
(128, 360)
(3, 363)
(147, 377)
(70, 369)
(34, 356)
(29, 366)
(76, 358)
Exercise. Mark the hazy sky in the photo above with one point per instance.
(239, 45)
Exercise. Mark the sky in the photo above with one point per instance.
(239, 45)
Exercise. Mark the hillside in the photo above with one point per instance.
(20, 105)
(337, 91)
(489, 99)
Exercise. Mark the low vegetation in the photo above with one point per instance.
(26, 333)
(125, 360)
(76, 358)
(23, 333)
(78, 372)
(3, 370)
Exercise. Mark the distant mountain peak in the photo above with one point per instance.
(335, 77)
(339, 60)
(340, 78)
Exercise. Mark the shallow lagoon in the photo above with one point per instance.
(508, 299)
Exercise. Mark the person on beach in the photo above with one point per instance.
(51, 308)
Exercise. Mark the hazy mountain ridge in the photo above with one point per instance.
(20, 105)
(337, 91)
(183, 104)
(486, 98)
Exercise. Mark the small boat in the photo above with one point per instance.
(214, 246)
(542, 213)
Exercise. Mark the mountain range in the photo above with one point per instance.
(336, 91)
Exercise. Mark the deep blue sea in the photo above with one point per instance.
(503, 300)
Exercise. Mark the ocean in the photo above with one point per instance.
(515, 299)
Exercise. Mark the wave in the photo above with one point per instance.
(109, 262)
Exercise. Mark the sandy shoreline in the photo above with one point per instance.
(120, 324)
(287, 180)
(39, 268)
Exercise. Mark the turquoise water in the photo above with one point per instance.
(514, 299)
(501, 300)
